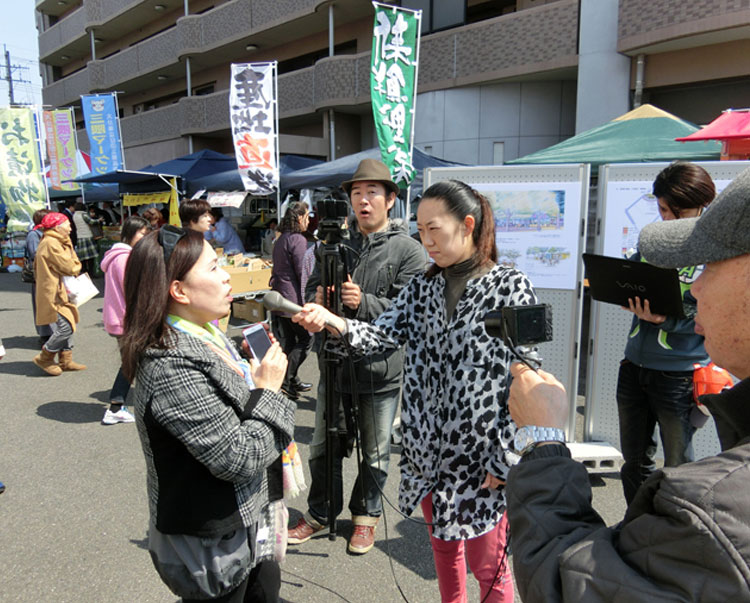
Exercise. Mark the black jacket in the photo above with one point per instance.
(685, 537)
(381, 264)
(73, 228)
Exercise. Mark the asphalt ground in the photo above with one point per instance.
(73, 517)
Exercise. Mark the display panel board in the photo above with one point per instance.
(540, 223)
(626, 205)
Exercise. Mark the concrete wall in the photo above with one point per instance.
(646, 22)
(463, 124)
(603, 73)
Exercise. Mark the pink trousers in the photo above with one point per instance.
(484, 555)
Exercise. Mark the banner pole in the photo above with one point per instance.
(119, 130)
(75, 144)
(276, 135)
(38, 122)
(418, 17)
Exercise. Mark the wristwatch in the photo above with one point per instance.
(528, 436)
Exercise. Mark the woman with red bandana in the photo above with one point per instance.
(56, 258)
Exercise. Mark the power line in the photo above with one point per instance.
(9, 78)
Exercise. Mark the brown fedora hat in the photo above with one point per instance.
(374, 170)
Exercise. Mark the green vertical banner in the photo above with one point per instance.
(393, 86)
(22, 185)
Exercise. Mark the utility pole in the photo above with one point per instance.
(9, 75)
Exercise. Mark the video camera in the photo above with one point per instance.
(332, 215)
(521, 326)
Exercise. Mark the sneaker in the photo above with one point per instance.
(2, 487)
(303, 531)
(362, 540)
(121, 416)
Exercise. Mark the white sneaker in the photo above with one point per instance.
(121, 416)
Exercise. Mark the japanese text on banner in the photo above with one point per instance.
(61, 148)
(21, 182)
(103, 129)
(393, 86)
(252, 106)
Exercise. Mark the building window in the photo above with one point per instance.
(204, 89)
(438, 15)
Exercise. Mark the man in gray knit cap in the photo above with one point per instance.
(686, 535)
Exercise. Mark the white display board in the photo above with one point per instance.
(540, 224)
(625, 206)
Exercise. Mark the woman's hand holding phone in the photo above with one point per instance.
(270, 372)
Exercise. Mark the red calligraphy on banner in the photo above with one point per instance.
(252, 153)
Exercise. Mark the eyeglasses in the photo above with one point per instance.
(169, 236)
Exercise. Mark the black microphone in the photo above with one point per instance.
(276, 303)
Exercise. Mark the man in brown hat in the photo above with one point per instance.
(382, 259)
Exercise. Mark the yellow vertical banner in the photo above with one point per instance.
(174, 210)
(61, 148)
(21, 182)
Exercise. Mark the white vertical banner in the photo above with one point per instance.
(253, 110)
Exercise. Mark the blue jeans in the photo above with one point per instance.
(120, 389)
(121, 386)
(376, 448)
(646, 397)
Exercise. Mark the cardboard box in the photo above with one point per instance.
(245, 280)
(249, 310)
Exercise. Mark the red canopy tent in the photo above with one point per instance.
(732, 128)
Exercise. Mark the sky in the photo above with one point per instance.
(19, 35)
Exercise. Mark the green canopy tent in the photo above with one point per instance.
(643, 134)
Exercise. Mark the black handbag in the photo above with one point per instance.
(27, 274)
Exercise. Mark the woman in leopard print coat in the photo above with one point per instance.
(457, 431)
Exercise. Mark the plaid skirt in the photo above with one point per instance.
(86, 249)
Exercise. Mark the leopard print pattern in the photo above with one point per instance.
(455, 420)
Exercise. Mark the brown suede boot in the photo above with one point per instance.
(46, 361)
(67, 364)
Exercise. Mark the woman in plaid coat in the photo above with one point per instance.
(212, 426)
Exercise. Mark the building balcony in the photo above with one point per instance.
(518, 45)
(68, 90)
(67, 37)
(50, 7)
(501, 48)
(654, 26)
(151, 126)
(132, 68)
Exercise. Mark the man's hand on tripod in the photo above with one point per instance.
(351, 294)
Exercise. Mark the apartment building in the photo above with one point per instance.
(498, 79)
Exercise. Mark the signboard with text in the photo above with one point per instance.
(22, 185)
(393, 83)
(103, 129)
(253, 116)
(59, 131)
